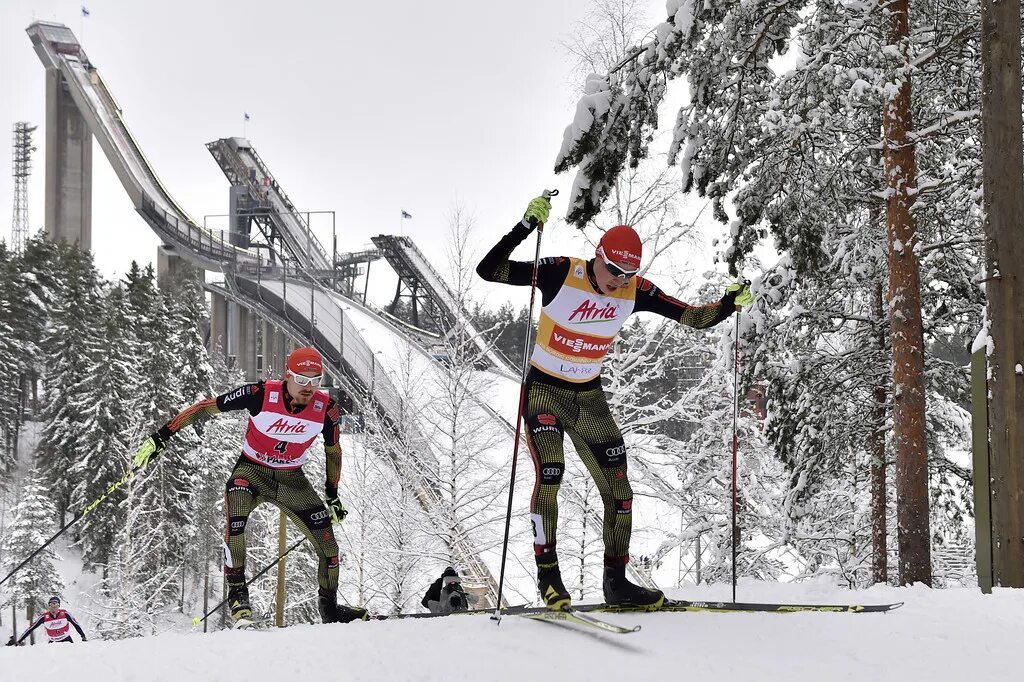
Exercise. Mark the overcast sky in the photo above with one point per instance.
(364, 108)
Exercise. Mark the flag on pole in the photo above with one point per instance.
(85, 11)
(246, 114)
(406, 215)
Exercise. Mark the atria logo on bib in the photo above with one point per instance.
(590, 312)
(284, 426)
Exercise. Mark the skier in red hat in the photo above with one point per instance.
(585, 304)
(285, 418)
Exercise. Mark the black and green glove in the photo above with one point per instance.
(151, 446)
(337, 509)
(741, 294)
(538, 211)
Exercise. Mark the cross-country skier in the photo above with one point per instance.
(56, 621)
(585, 304)
(284, 420)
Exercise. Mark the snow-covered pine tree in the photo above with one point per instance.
(217, 452)
(184, 304)
(104, 398)
(71, 342)
(33, 299)
(169, 481)
(800, 151)
(135, 590)
(31, 526)
(11, 360)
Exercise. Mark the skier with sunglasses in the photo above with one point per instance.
(285, 418)
(585, 304)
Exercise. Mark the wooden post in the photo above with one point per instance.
(206, 592)
(982, 475)
(1002, 170)
(282, 538)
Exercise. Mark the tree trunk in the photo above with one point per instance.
(905, 320)
(876, 441)
(1003, 166)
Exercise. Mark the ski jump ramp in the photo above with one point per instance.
(298, 304)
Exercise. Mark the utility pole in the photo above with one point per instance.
(1003, 168)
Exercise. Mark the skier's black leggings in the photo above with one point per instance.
(251, 484)
(552, 411)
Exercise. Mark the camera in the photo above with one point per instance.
(454, 597)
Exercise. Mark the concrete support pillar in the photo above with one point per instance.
(273, 351)
(282, 347)
(246, 349)
(218, 325)
(170, 266)
(68, 167)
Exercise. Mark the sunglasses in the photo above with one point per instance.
(303, 380)
(615, 270)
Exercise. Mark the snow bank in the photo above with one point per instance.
(939, 635)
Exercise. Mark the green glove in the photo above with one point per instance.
(150, 447)
(337, 509)
(539, 209)
(742, 296)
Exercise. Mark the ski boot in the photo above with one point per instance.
(618, 591)
(552, 591)
(332, 612)
(238, 602)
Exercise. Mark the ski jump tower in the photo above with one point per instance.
(68, 156)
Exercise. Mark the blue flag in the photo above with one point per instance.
(406, 215)
(85, 11)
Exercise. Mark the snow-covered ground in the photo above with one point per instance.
(956, 634)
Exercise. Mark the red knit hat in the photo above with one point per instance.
(305, 359)
(621, 245)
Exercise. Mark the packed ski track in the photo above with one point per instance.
(954, 634)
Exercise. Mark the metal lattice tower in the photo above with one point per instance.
(21, 169)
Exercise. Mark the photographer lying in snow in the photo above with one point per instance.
(446, 594)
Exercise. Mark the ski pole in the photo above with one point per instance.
(131, 472)
(547, 194)
(735, 441)
(198, 620)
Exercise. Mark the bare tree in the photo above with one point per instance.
(465, 435)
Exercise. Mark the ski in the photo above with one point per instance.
(574, 617)
(252, 623)
(471, 612)
(679, 605)
(670, 606)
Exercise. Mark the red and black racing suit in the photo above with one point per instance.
(252, 483)
(57, 626)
